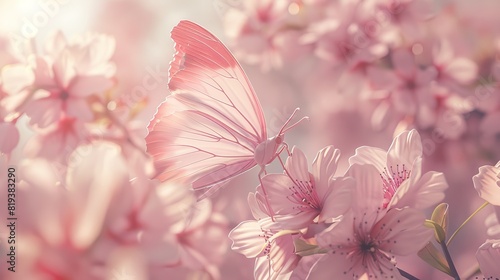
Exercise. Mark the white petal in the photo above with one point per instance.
(247, 239)
(370, 155)
(424, 193)
(296, 165)
(323, 168)
(487, 184)
(405, 148)
(488, 257)
(338, 198)
(368, 194)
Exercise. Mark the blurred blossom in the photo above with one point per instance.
(58, 82)
(268, 32)
(67, 217)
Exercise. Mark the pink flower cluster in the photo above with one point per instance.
(411, 60)
(357, 222)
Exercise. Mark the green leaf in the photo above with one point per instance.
(431, 255)
(302, 248)
(438, 230)
(440, 216)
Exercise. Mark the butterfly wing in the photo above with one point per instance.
(208, 128)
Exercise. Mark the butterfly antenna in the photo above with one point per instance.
(285, 129)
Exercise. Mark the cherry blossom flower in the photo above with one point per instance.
(367, 239)
(486, 183)
(268, 32)
(488, 256)
(344, 37)
(299, 197)
(398, 172)
(59, 82)
(452, 71)
(404, 91)
(275, 256)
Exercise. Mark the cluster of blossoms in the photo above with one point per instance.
(348, 225)
(410, 60)
(89, 208)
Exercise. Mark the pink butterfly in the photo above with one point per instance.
(211, 128)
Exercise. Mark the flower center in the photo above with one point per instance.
(266, 234)
(367, 247)
(392, 180)
(304, 194)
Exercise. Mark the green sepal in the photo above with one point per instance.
(431, 255)
(302, 248)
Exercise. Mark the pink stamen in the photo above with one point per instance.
(392, 181)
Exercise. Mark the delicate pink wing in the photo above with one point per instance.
(206, 132)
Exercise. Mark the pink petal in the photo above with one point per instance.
(424, 193)
(488, 257)
(92, 182)
(247, 239)
(287, 213)
(43, 74)
(296, 221)
(64, 70)
(370, 155)
(44, 112)
(323, 168)
(277, 190)
(337, 199)
(402, 231)
(368, 195)
(10, 137)
(405, 148)
(82, 86)
(282, 254)
(486, 183)
(296, 165)
(167, 202)
(263, 271)
(340, 232)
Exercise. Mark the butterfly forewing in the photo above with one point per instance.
(206, 132)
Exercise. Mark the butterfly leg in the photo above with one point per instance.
(268, 206)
